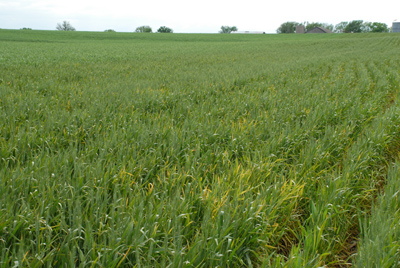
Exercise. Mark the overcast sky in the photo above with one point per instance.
(183, 16)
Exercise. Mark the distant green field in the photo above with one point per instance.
(199, 150)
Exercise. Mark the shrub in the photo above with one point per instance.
(164, 29)
(144, 29)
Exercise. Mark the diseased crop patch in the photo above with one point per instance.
(195, 150)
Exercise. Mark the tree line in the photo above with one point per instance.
(66, 26)
(355, 26)
(147, 29)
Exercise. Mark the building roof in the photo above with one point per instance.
(319, 30)
(247, 32)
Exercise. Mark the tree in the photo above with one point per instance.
(228, 29)
(109, 31)
(65, 26)
(164, 29)
(366, 27)
(375, 27)
(339, 28)
(378, 27)
(144, 29)
(312, 25)
(355, 26)
(328, 26)
(287, 27)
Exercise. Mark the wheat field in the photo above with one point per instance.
(199, 150)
